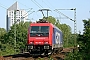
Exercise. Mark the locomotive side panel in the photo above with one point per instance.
(57, 40)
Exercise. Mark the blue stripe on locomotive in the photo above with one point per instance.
(57, 36)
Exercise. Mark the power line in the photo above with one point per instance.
(27, 12)
(63, 14)
(35, 3)
(37, 14)
(49, 7)
(45, 3)
(38, 3)
(50, 4)
(30, 13)
(22, 3)
(2, 6)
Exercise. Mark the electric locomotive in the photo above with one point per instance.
(44, 38)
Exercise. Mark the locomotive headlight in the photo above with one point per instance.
(46, 47)
(45, 42)
(31, 42)
(30, 47)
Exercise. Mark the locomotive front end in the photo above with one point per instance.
(39, 38)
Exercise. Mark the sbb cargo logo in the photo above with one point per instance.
(57, 38)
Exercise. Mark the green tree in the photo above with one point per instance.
(21, 37)
(83, 52)
(85, 40)
(21, 34)
(2, 32)
(51, 19)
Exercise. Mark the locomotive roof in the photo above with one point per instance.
(43, 24)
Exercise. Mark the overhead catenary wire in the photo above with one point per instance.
(36, 4)
(21, 3)
(36, 13)
(27, 12)
(63, 15)
(40, 6)
(25, 6)
(1, 5)
(48, 6)
(52, 8)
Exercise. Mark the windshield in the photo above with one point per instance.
(39, 31)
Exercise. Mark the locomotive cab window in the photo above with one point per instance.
(34, 29)
(39, 31)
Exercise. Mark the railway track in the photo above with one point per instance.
(27, 56)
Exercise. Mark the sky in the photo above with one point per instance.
(82, 10)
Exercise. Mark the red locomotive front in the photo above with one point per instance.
(40, 38)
